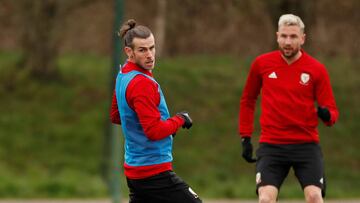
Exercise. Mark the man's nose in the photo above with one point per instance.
(287, 40)
(149, 54)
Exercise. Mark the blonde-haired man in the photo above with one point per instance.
(290, 82)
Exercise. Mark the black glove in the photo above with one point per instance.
(323, 113)
(188, 121)
(247, 150)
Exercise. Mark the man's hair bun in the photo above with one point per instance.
(128, 25)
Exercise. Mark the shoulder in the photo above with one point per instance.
(314, 67)
(142, 83)
(273, 57)
(267, 60)
(311, 60)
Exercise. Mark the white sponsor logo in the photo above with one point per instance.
(272, 75)
(304, 78)
(193, 193)
(258, 178)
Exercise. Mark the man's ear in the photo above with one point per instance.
(129, 52)
(303, 39)
(277, 36)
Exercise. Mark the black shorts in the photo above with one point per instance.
(275, 161)
(165, 187)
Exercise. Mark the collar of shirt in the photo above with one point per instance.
(130, 66)
(303, 55)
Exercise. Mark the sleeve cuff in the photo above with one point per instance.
(180, 120)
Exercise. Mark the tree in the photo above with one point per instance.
(160, 27)
(40, 23)
(37, 20)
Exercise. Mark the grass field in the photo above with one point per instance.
(52, 132)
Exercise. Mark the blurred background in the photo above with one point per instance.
(57, 74)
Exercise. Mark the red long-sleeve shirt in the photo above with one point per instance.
(288, 94)
(143, 97)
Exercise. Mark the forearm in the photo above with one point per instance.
(326, 99)
(246, 117)
(114, 111)
(149, 116)
(248, 101)
(156, 129)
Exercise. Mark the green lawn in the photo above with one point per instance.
(52, 133)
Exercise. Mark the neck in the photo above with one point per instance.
(292, 59)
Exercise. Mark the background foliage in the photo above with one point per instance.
(52, 128)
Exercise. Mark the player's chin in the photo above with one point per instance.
(149, 65)
(288, 52)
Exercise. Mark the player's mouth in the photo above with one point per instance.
(149, 63)
(288, 48)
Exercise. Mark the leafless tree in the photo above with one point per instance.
(160, 27)
(40, 23)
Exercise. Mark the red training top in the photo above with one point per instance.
(288, 94)
(143, 97)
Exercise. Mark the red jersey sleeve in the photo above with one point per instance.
(143, 97)
(248, 101)
(114, 111)
(325, 96)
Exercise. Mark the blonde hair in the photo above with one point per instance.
(290, 19)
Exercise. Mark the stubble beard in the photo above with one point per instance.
(143, 66)
(290, 55)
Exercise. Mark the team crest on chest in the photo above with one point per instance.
(304, 78)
